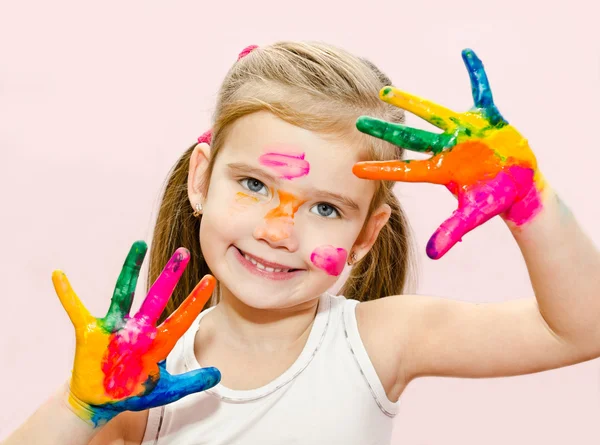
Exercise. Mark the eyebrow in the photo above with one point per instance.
(322, 194)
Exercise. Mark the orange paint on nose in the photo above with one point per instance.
(281, 219)
(288, 206)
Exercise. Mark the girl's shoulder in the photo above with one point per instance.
(386, 351)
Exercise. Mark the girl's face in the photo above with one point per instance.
(283, 212)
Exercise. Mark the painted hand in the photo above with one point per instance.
(120, 359)
(479, 157)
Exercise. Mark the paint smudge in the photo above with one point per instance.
(119, 359)
(482, 159)
(330, 259)
(287, 165)
(280, 220)
(243, 198)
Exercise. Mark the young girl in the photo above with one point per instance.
(274, 201)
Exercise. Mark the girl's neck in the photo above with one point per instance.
(262, 329)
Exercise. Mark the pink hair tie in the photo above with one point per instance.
(247, 51)
(206, 137)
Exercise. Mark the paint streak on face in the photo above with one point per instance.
(243, 198)
(287, 165)
(279, 221)
(330, 259)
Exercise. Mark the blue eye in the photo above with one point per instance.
(254, 185)
(326, 210)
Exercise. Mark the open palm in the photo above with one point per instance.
(119, 359)
(485, 162)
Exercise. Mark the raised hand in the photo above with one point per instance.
(479, 157)
(119, 359)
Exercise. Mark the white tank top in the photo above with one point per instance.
(330, 395)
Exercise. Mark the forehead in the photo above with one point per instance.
(329, 159)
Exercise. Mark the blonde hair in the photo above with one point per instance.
(317, 87)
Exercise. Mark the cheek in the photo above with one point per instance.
(229, 214)
(329, 258)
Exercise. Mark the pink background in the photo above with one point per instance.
(98, 101)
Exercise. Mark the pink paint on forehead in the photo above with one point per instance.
(330, 259)
(287, 165)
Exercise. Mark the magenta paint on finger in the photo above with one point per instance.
(287, 165)
(330, 259)
(161, 290)
(484, 200)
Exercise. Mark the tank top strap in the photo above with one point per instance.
(364, 362)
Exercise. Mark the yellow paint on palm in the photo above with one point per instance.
(88, 383)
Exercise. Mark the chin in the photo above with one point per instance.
(254, 295)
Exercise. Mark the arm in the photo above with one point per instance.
(489, 167)
(119, 370)
(559, 327)
(55, 423)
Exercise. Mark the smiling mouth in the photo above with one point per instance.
(266, 266)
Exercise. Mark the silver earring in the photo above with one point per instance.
(352, 259)
(198, 210)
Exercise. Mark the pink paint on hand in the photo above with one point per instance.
(163, 287)
(288, 165)
(124, 365)
(512, 193)
(330, 259)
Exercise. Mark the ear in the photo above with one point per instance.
(196, 175)
(370, 231)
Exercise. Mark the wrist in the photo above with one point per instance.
(537, 202)
(91, 415)
(550, 211)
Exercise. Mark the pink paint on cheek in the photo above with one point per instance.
(123, 365)
(330, 259)
(287, 165)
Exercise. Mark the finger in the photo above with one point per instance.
(126, 284)
(477, 206)
(170, 388)
(433, 113)
(429, 170)
(179, 322)
(75, 309)
(405, 137)
(480, 87)
(163, 287)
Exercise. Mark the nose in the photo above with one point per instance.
(278, 226)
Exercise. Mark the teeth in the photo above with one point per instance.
(263, 267)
